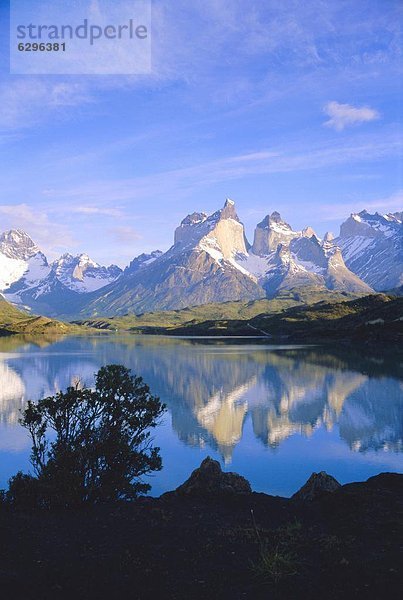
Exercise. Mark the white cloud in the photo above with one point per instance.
(95, 210)
(345, 115)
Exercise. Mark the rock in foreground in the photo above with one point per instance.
(210, 480)
(317, 485)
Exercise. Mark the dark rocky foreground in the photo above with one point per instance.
(213, 538)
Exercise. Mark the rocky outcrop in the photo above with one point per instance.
(210, 480)
(271, 232)
(317, 485)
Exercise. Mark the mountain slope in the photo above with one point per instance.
(14, 321)
(22, 264)
(27, 279)
(372, 246)
(199, 268)
(211, 261)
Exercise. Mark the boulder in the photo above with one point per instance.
(210, 480)
(317, 484)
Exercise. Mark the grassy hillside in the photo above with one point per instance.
(375, 318)
(152, 321)
(13, 321)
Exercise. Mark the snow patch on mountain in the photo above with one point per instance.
(11, 270)
(26, 277)
(22, 264)
(82, 274)
(372, 246)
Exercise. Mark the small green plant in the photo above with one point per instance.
(291, 529)
(276, 562)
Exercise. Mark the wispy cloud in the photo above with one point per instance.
(125, 234)
(345, 115)
(182, 182)
(294, 36)
(26, 102)
(95, 210)
(340, 210)
(388, 204)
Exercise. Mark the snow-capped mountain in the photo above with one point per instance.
(271, 232)
(26, 277)
(22, 264)
(209, 261)
(81, 274)
(372, 247)
(282, 258)
(201, 267)
(212, 261)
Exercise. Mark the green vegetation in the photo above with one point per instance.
(14, 321)
(90, 446)
(153, 322)
(376, 317)
(275, 564)
(277, 556)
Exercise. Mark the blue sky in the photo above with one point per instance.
(281, 105)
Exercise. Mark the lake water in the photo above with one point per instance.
(274, 414)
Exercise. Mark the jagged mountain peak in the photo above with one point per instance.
(78, 259)
(271, 232)
(194, 218)
(309, 232)
(210, 261)
(17, 244)
(329, 237)
(82, 274)
(370, 225)
(398, 216)
(276, 217)
(271, 220)
(305, 261)
(198, 225)
(66, 257)
(227, 212)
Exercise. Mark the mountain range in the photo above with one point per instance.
(28, 280)
(211, 260)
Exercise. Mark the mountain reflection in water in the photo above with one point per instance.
(224, 398)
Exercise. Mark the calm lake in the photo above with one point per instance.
(274, 414)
